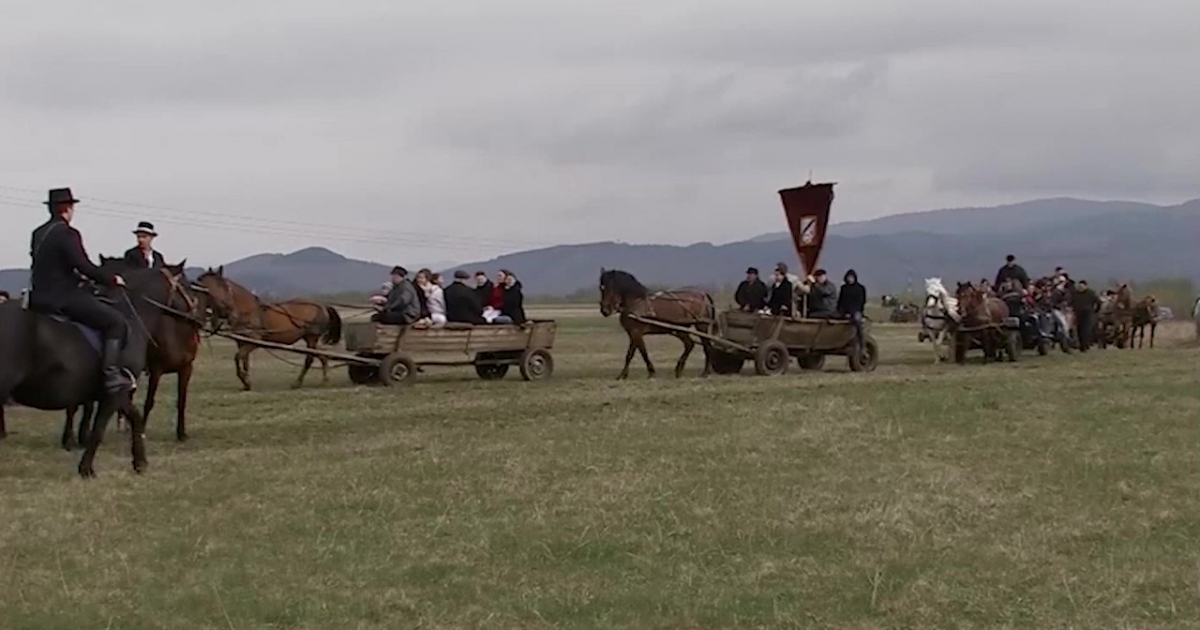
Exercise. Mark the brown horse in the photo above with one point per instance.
(281, 322)
(621, 293)
(980, 309)
(176, 342)
(1145, 314)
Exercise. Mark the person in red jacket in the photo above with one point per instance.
(496, 299)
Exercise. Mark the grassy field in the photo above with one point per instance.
(1059, 492)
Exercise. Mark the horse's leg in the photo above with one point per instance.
(706, 345)
(641, 346)
(108, 407)
(688, 346)
(185, 378)
(137, 434)
(241, 361)
(1153, 325)
(68, 432)
(324, 370)
(3, 426)
(86, 421)
(311, 342)
(628, 358)
(151, 391)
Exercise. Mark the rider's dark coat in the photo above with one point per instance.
(57, 252)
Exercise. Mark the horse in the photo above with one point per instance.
(977, 309)
(1145, 314)
(621, 293)
(938, 316)
(176, 342)
(275, 322)
(1196, 316)
(49, 363)
(1116, 318)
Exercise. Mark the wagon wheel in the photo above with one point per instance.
(1012, 345)
(811, 361)
(771, 359)
(397, 369)
(1043, 346)
(726, 362)
(536, 364)
(491, 371)
(868, 359)
(362, 373)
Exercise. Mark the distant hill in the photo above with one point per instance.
(1098, 240)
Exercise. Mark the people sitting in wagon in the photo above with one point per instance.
(751, 294)
(402, 306)
(821, 296)
(435, 302)
(852, 304)
(780, 297)
(512, 302)
(462, 301)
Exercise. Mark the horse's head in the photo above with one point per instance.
(970, 298)
(149, 286)
(217, 294)
(617, 289)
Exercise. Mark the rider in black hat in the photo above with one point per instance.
(144, 254)
(751, 294)
(58, 257)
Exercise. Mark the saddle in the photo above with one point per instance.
(93, 337)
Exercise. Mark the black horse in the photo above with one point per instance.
(48, 363)
(173, 347)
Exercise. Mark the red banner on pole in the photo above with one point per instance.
(807, 210)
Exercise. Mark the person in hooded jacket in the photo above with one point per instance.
(512, 303)
(851, 304)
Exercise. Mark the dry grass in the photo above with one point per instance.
(1055, 493)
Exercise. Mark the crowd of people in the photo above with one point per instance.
(425, 301)
(813, 296)
(1050, 298)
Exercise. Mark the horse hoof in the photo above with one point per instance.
(182, 437)
(140, 467)
(70, 445)
(86, 472)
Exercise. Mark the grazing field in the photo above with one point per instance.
(1059, 492)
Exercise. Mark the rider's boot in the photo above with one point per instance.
(114, 379)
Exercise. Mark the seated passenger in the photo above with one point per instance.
(751, 294)
(512, 305)
(420, 282)
(822, 295)
(402, 306)
(435, 301)
(462, 301)
(780, 298)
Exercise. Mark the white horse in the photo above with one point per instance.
(939, 312)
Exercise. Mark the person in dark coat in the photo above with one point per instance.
(779, 300)
(852, 303)
(512, 303)
(58, 259)
(1086, 305)
(822, 295)
(751, 294)
(1011, 271)
(462, 301)
(403, 307)
(144, 254)
(483, 288)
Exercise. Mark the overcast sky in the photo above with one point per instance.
(418, 132)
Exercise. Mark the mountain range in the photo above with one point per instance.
(1099, 240)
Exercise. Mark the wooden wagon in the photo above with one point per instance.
(772, 341)
(392, 354)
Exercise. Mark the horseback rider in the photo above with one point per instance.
(58, 259)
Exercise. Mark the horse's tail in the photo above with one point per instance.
(333, 331)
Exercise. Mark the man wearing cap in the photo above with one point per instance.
(1010, 271)
(403, 307)
(143, 255)
(751, 294)
(822, 297)
(58, 258)
(462, 302)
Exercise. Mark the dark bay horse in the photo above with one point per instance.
(279, 322)
(1144, 315)
(49, 364)
(176, 342)
(621, 293)
(980, 309)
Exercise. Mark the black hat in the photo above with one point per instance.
(753, 270)
(145, 227)
(820, 272)
(59, 196)
(399, 271)
(1010, 258)
(461, 275)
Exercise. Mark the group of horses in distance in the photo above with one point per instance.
(55, 368)
(1119, 322)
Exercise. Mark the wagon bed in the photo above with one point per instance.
(392, 354)
(772, 340)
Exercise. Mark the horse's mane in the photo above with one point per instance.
(623, 283)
